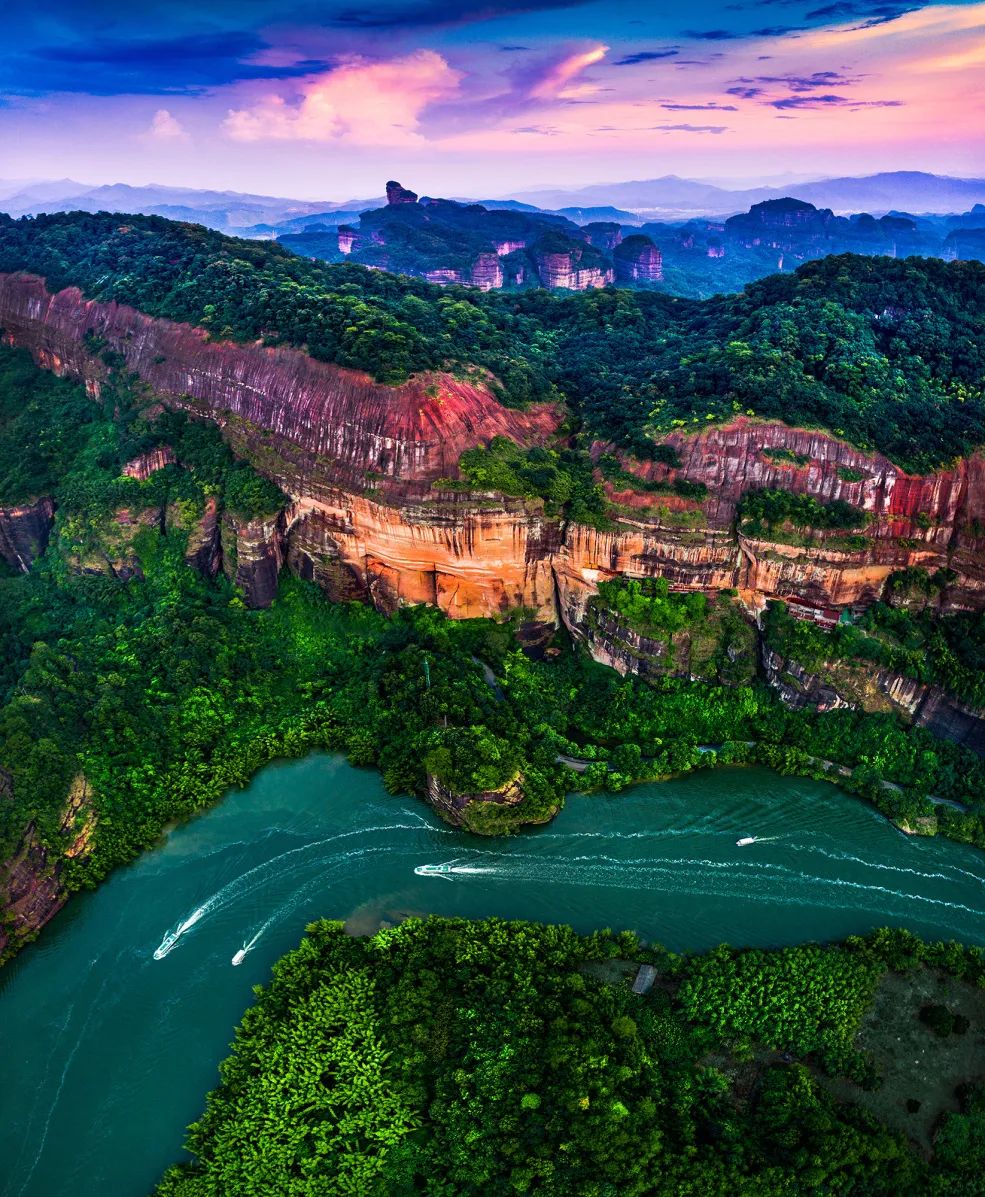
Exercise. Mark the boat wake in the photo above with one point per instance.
(172, 937)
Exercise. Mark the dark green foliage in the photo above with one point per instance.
(888, 353)
(768, 509)
(43, 420)
(454, 1057)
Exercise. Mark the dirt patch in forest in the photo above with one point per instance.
(915, 1064)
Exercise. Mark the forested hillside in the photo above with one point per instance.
(456, 1057)
(888, 353)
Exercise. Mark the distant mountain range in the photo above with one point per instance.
(914, 191)
(666, 198)
(689, 238)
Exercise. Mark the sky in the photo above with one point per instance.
(326, 99)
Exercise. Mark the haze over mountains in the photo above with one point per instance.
(668, 197)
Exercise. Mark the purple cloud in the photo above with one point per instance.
(690, 128)
(831, 101)
(646, 56)
(700, 107)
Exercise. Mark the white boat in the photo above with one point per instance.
(239, 957)
(435, 870)
(746, 841)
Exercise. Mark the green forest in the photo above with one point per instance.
(887, 353)
(451, 1057)
(161, 689)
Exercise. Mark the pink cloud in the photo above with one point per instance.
(554, 82)
(361, 102)
(164, 128)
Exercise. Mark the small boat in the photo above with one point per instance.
(239, 957)
(435, 870)
(746, 841)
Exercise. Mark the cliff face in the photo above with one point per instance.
(343, 422)
(358, 458)
(637, 260)
(869, 688)
(565, 270)
(934, 520)
(30, 889)
(24, 532)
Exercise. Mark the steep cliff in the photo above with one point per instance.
(869, 688)
(24, 532)
(343, 423)
(31, 891)
(358, 459)
(637, 260)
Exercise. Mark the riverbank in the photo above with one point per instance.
(113, 1050)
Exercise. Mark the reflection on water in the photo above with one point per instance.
(112, 1025)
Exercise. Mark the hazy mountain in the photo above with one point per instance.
(912, 189)
(227, 211)
(916, 191)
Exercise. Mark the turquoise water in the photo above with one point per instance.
(108, 1052)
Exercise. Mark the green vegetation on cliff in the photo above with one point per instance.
(943, 650)
(453, 1057)
(888, 353)
(163, 690)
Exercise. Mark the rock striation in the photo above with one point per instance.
(343, 422)
(24, 532)
(637, 260)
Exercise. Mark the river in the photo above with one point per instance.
(107, 1052)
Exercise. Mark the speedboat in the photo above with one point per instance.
(239, 957)
(746, 841)
(435, 870)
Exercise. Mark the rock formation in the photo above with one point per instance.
(637, 260)
(24, 532)
(566, 268)
(395, 194)
(337, 423)
(487, 273)
(358, 460)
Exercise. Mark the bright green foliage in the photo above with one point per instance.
(564, 479)
(528, 1069)
(649, 606)
(888, 353)
(805, 1000)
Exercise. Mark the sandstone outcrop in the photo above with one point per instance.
(569, 269)
(637, 260)
(487, 273)
(395, 194)
(146, 464)
(24, 532)
(31, 892)
(862, 685)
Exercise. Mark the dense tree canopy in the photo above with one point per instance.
(888, 353)
(448, 1057)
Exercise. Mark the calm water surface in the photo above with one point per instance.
(106, 1052)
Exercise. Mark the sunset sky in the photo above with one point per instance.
(486, 97)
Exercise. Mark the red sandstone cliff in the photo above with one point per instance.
(345, 423)
(357, 459)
